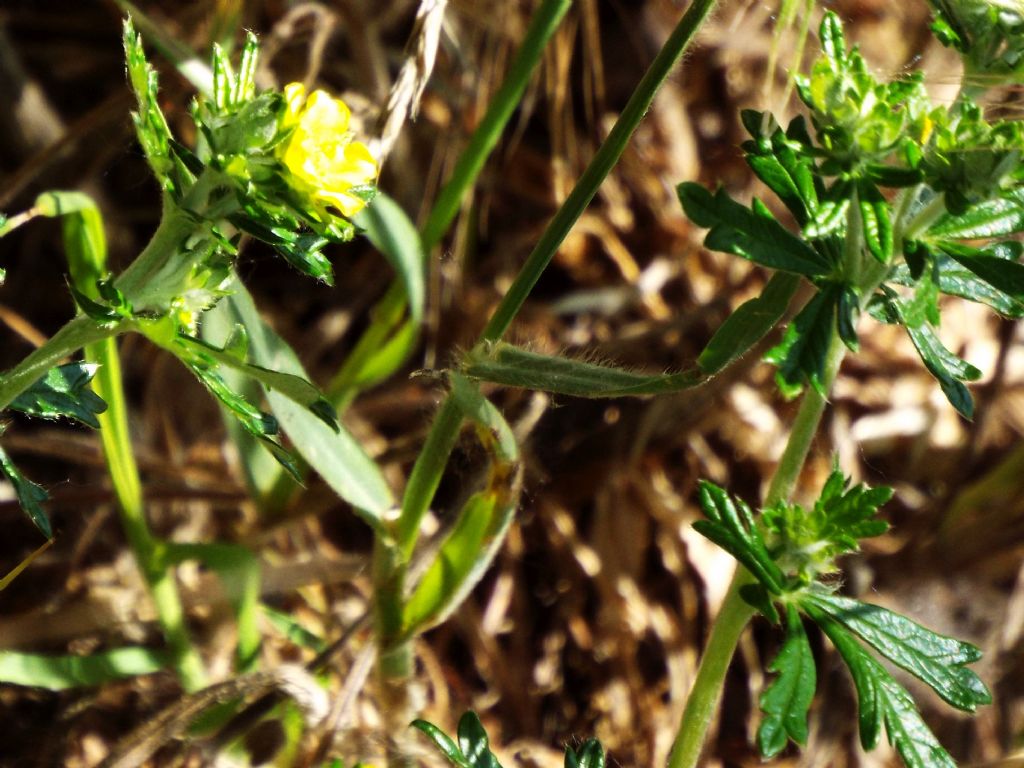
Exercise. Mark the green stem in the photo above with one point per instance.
(542, 26)
(426, 474)
(124, 475)
(734, 614)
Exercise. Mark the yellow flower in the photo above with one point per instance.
(320, 152)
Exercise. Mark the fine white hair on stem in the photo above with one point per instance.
(404, 99)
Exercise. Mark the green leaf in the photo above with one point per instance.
(336, 456)
(786, 701)
(847, 314)
(150, 125)
(946, 367)
(59, 673)
(993, 218)
(293, 630)
(495, 433)
(590, 755)
(260, 425)
(956, 280)
(30, 496)
(752, 234)
(731, 526)
(803, 352)
(510, 366)
(394, 235)
(443, 742)
(295, 388)
(877, 227)
(882, 700)
(474, 743)
(1003, 274)
(935, 659)
(749, 323)
(63, 392)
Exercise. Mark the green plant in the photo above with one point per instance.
(473, 747)
(896, 201)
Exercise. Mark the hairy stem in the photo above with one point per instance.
(426, 474)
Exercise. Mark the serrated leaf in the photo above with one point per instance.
(442, 741)
(751, 321)
(749, 233)
(731, 526)
(934, 659)
(30, 496)
(63, 392)
(787, 700)
(474, 743)
(956, 280)
(510, 366)
(394, 235)
(803, 352)
(882, 700)
(59, 673)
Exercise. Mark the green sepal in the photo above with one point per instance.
(751, 321)
(751, 233)
(63, 392)
(30, 496)
(787, 700)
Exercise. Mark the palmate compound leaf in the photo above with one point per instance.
(935, 659)
(63, 392)
(786, 701)
(882, 700)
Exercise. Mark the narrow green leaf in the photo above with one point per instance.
(731, 526)
(949, 370)
(336, 456)
(803, 352)
(497, 434)
(293, 630)
(993, 218)
(749, 323)
(932, 658)
(59, 673)
(443, 742)
(510, 366)
(394, 235)
(474, 743)
(63, 392)
(295, 388)
(787, 700)
(590, 755)
(749, 233)
(847, 314)
(956, 280)
(876, 225)
(30, 496)
(1002, 274)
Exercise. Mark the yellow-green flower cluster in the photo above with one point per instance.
(320, 153)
